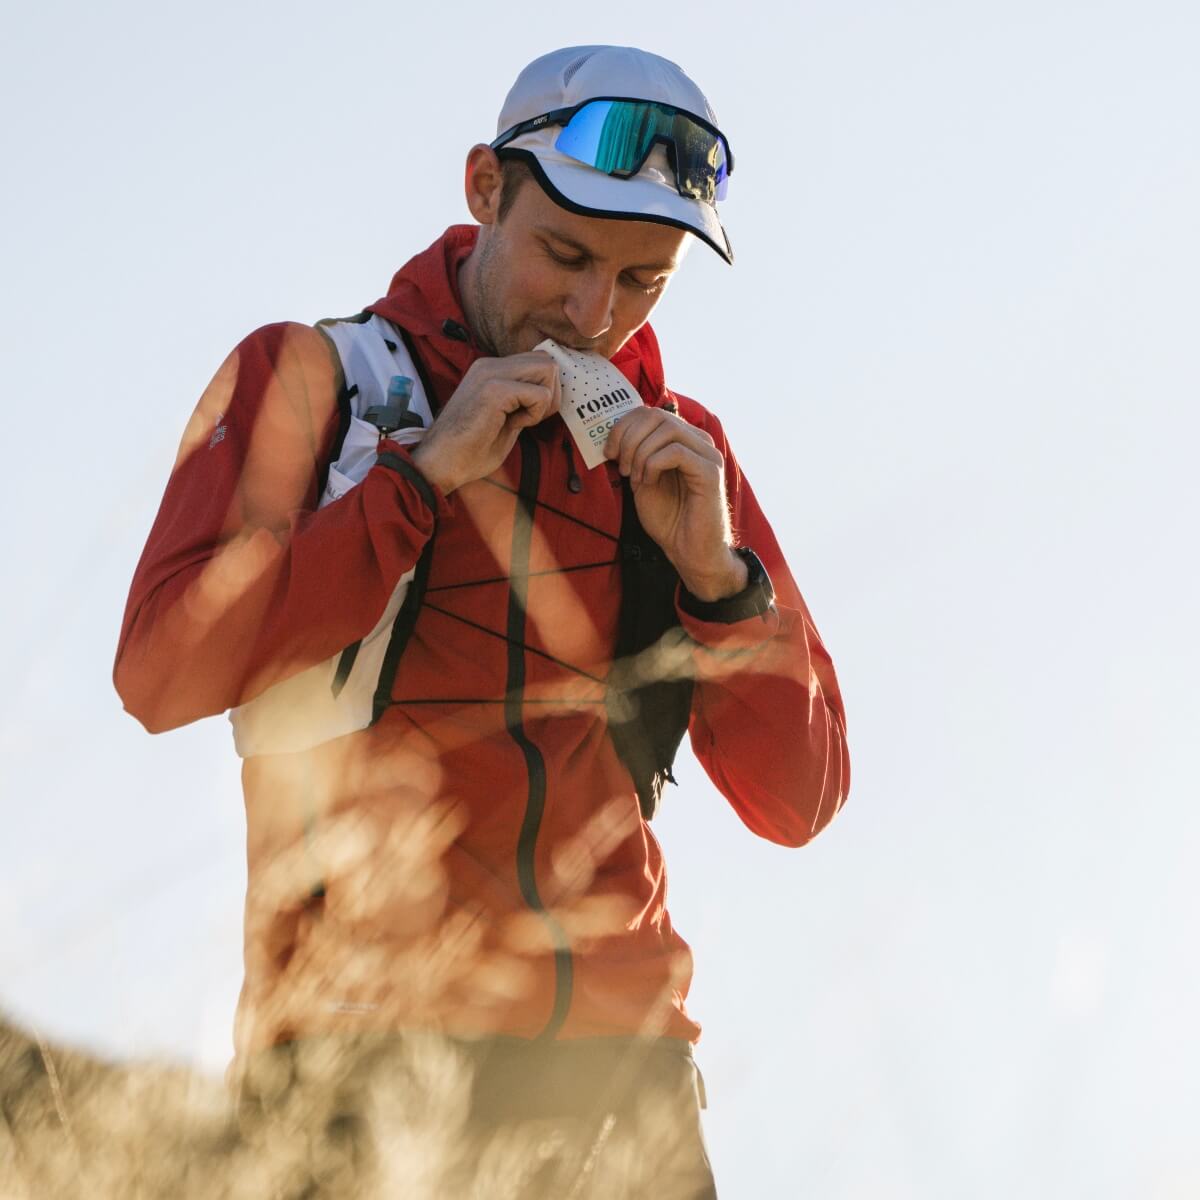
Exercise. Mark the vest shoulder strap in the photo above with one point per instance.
(369, 351)
(349, 691)
(649, 692)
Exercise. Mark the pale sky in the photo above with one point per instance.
(957, 357)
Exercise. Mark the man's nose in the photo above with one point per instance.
(589, 307)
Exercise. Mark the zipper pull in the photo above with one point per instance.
(574, 483)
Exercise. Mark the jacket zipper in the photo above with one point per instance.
(535, 763)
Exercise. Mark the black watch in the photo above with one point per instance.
(752, 601)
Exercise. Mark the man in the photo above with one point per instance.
(473, 857)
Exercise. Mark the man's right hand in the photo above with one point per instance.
(476, 431)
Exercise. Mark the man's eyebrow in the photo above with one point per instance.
(586, 251)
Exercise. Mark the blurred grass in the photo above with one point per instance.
(358, 1117)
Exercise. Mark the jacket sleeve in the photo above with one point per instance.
(243, 580)
(767, 719)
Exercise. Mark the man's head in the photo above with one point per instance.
(606, 159)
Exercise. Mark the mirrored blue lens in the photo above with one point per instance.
(616, 137)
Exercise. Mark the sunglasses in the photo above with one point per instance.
(616, 136)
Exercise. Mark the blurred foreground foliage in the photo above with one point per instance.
(362, 1117)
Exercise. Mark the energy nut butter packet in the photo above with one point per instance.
(595, 396)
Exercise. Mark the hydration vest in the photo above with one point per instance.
(649, 688)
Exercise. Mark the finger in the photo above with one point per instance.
(621, 430)
(536, 366)
(701, 474)
(523, 418)
(672, 429)
(508, 396)
(551, 404)
(642, 422)
(698, 440)
(662, 435)
(511, 429)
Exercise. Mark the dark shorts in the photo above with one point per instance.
(419, 1116)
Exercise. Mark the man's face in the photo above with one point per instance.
(586, 282)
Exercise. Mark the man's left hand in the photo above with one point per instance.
(678, 479)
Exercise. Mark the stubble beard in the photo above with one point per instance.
(490, 334)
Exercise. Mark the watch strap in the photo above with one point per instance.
(754, 600)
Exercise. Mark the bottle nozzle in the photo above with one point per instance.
(393, 415)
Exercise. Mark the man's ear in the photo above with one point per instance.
(483, 183)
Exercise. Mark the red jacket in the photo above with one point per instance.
(476, 861)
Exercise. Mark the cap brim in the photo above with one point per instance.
(584, 190)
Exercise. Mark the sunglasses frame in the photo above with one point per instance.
(562, 116)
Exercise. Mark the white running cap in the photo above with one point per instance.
(567, 77)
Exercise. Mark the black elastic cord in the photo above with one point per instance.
(449, 587)
(557, 511)
(512, 642)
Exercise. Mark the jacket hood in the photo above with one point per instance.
(423, 299)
